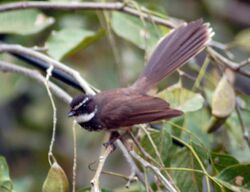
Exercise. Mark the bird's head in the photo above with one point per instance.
(83, 108)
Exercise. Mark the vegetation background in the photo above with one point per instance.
(109, 49)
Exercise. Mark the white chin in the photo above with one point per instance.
(85, 117)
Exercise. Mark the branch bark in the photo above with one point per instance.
(220, 59)
(102, 159)
(133, 168)
(56, 64)
(109, 6)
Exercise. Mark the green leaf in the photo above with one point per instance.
(142, 34)
(223, 101)
(68, 41)
(235, 144)
(162, 140)
(187, 181)
(201, 151)
(222, 161)
(242, 39)
(56, 180)
(236, 177)
(5, 181)
(182, 99)
(196, 123)
(24, 22)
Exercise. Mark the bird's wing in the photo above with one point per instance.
(136, 109)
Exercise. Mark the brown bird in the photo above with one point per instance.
(123, 107)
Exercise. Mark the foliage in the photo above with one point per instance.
(5, 181)
(108, 49)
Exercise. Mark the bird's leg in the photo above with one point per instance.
(114, 135)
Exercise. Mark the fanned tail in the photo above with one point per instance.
(173, 51)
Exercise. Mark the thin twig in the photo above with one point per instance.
(168, 186)
(133, 168)
(142, 150)
(222, 46)
(220, 59)
(244, 63)
(102, 159)
(74, 157)
(153, 145)
(118, 175)
(109, 6)
(53, 138)
(11, 68)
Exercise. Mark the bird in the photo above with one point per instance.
(124, 107)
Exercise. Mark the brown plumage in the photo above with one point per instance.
(172, 52)
(123, 107)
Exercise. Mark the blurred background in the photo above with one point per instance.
(109, 62)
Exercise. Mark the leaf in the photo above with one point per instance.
(201, 151)
(24, 22)
(242, 39)
(56, 180)
(235, 144)
(182, 99)
(196, 123)
(5, 181)
(187, 181)
(236, 177)
(67, 41)
(223, 101)
(162, 140)
(222, 161)
(142, 34)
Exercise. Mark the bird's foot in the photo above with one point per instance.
(113, 137)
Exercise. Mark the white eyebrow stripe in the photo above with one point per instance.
(80, 104)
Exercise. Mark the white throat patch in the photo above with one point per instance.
(85, 117)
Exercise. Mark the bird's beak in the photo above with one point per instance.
(71, 113)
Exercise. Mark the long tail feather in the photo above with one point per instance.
(174, 51)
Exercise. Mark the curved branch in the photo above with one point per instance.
(18, 49)
(220, 59)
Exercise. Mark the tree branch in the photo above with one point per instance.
(220, 59)
(18, 49)
(109, 6)
(102, 159)
(133, 168)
